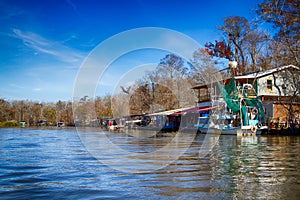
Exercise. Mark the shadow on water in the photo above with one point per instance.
(55, 163)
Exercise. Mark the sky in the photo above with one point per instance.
(45, 43)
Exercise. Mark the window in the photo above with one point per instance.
(269, 85)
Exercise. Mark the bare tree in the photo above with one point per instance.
(203, 66)
(4, 111)
(255, 42)
(285, 17)
(172, 66)
(235, 29)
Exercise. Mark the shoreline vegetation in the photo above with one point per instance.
(275, 129)
(9, 124)
(29, 114)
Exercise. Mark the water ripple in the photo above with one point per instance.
(54, 164)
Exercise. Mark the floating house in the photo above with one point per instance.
(278, 90)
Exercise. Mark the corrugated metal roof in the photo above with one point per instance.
(265, 73)
(254, 75)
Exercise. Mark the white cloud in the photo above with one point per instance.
(53, 48)
(36, 89)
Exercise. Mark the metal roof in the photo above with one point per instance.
(265, 73)
(254, 75)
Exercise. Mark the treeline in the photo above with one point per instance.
(33, 113)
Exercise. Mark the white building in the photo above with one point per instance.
(277, 87)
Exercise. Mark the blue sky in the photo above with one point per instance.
(44, 42)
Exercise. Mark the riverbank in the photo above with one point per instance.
(274, 132)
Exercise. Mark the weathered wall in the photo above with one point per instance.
(281, 112)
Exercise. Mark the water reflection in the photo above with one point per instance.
(259, 167)
(237, 167)
(136, 154)
(55, 164)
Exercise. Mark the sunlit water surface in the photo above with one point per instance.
(55, 164)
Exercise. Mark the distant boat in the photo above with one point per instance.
(112, 125)
(22, 124)
(60, 124)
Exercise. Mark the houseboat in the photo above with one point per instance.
(235, 109)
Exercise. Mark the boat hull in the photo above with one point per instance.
(237, 131)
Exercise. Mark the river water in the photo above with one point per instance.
(58, 164)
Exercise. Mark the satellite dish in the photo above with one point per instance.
(232, 64)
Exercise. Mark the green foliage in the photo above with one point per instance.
(9, 124)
